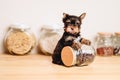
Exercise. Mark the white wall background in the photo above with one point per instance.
(102, 15)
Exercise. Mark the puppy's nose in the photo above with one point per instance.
(69, 30)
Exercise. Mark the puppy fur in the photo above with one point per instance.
(72, 26)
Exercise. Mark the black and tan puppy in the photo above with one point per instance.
(72, 26)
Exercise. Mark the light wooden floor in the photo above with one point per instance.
(39, 67)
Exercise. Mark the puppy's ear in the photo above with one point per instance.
(82, 16)
(65, 15)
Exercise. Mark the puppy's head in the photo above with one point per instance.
(72, 23)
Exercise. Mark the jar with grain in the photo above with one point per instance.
(82, 57)
(117, 43)
(105, 44)
(19, 39)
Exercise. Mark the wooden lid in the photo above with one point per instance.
(68, 56)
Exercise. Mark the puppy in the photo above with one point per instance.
(71, 36)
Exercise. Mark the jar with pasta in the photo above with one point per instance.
(82, 57)
(19, 39)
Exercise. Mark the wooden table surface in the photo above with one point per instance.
(39, 67)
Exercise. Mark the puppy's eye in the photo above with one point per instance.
(77, 22)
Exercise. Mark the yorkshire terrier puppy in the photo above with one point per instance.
(72, 26)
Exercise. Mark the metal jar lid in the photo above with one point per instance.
(21, 27)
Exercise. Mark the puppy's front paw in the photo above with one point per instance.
(85, 41)
(58, 62)
(76, 45)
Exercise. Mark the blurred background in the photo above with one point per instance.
(102, 15)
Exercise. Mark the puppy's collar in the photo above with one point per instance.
(77, 35)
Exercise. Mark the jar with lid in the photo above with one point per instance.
(82, 57)
(117, 43)
(49, 36)
(19, 39)
(105, 44)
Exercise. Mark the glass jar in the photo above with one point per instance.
(49, 37)
(117, 43)
(105, 44)
(19, 39)
(82, 57)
